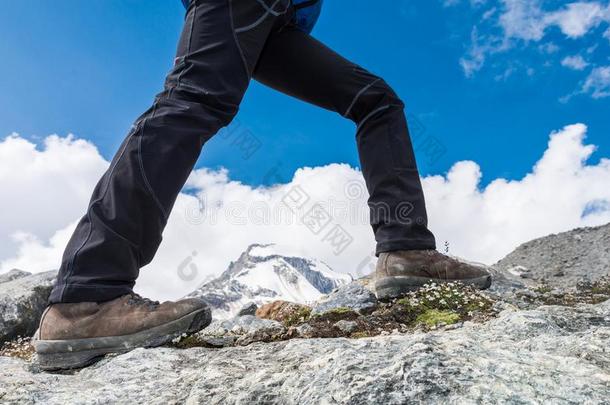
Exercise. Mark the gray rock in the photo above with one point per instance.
(563, 259)
(220, 341)
(346, 326)
(13, 275)
(240, 331)
(249, 309)
(22, 302)
(305, 330)
(552, 354)
(353, 295)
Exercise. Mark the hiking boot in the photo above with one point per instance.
(77, 335)
(402, 271)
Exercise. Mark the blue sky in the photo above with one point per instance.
(486, 93)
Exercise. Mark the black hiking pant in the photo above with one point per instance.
(223, 45)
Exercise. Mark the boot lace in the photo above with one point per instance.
(138, 300)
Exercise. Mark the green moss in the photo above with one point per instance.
(434, 317)
(359, 335)
(543, 289)
(188, 342)
(404, 302)
(335, 314)
(339, 311)
(301, 315)
(601, 286)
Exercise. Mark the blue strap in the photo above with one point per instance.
(307, 12)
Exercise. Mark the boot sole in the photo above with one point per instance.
(54, 355)
(396, 287)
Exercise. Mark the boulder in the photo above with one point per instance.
(248, 309)
(22, 301)
(353, 296)
(288, 313)
(241, 330)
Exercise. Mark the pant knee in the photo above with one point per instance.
(200, 107)
(375, 98)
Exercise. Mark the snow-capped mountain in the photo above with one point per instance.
(262, 275)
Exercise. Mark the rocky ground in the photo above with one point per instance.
(562, 260)
(552, 354)
(527, 340)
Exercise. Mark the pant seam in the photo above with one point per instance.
(403, 240)
(261, 19)
(134, 245)
(241, 52)
(358, 95)
(141, 164)
(369, 115)
(188, 49)
(70, 269)
(96, 286)
(270, 10)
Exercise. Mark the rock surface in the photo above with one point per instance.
(248, 309)
(552, 354)
(283, 311)
(354, 296)
(562, 260)
(443, 344)
(239, 331)
(22, 301)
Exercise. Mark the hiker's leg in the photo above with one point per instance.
(299, 65)
(121, 231)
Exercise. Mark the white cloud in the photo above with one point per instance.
(42, 189)
(523, 22)
(480, 48)
(598, 82)
(577, 19)
(481, 224)
(474, 60)
(523, 19)
(473, 3)
(527, 20)
(575, 62)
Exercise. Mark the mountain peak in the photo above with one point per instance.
(264, 273)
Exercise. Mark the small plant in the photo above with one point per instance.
(601, 286)
(339, 311)
(299, 316)
(186, 342)
(21, 348)
(543, 288)
(434, 317)
(454, 297)
(334, 315)
(586, 292)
